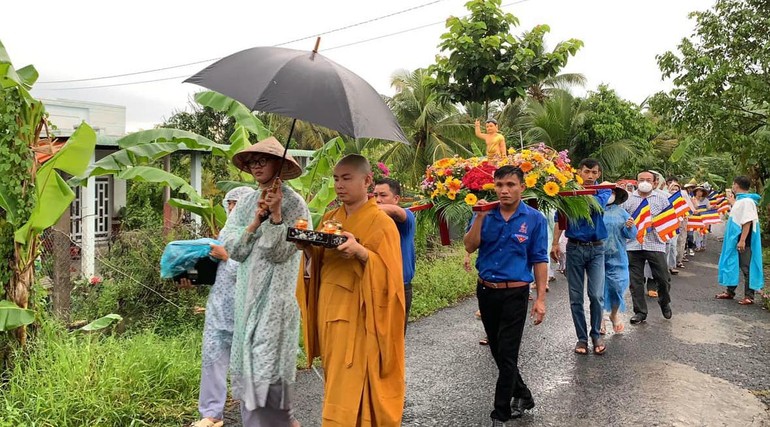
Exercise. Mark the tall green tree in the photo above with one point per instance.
(721, 86)
(482, 61)
(434, 126)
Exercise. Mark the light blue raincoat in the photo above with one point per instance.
(743, 211)
(616, 279)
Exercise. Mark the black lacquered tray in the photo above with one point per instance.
(315, 238)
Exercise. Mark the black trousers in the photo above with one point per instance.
(503, 313)
(660, 274)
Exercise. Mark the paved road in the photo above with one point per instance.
(708, 366)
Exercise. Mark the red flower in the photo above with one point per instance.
(476, 178)
(448, 172)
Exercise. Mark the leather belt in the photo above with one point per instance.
(582, 243)
(502, 285)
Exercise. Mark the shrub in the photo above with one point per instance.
(132, 286)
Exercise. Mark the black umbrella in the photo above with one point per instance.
(302, 85)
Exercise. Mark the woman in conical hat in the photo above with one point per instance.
(263, 362)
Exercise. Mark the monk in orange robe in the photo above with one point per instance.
(353, 308)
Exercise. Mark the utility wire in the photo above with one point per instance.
(331, 48)
(335, 30)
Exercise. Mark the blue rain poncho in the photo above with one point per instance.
(743, 211)
(616, 279)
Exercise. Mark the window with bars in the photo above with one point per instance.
(102, 211)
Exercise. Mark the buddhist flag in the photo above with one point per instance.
(724, 207)
(666, 223)
(680, 204)
(710, 217)
(695, 222)
(715, 199)
(643, 220)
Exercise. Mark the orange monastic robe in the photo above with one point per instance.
(353, 317)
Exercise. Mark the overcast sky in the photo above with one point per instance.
(84, 39)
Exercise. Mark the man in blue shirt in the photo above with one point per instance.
(585, 257)
(387, 191)
(512, 242)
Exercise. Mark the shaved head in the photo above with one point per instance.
(356, 162)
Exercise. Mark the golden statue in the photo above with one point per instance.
(495, 141)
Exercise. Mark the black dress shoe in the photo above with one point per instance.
(520, 405)
(638, 318)
(666, 309)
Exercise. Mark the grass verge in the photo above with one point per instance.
(440, 281)
(72, 379)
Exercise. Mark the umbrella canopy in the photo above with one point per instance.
(305, 86)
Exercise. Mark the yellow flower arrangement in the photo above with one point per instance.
(471, 199)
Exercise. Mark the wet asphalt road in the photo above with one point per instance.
(707, 366)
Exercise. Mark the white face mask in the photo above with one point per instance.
(645, 187)
(611, 200)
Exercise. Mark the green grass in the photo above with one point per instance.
(72, 379)
(440, 281)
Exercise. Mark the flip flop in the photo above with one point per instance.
(581, 348)
(618, 327)
(725, 295)
(746, 301)
(484, 341)
(599, 346)
(205, 422)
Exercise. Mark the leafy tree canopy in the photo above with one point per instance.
(484, 62)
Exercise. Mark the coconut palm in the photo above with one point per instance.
(541, 91)
(557, 121)
(435, 128)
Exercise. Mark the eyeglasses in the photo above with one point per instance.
(256, 162)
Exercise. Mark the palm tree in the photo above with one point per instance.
(541, 91)
(435, 128)
(557, 121)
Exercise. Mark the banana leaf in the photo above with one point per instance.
(12, 316)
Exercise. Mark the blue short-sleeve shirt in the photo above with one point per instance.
(406, 230)
(510, 248)
(595, 230)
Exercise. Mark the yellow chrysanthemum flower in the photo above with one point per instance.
(552, 170)
(471, 199)
(551, 188)
(531, 180)
(538, 157)
(452, 195)
(488, 186)
(511, 151)
(579, 179)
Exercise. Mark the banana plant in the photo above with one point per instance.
(42, 196)
(140, 149)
